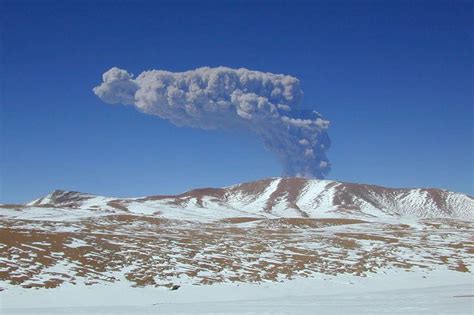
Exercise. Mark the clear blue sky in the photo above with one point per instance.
(395, 78)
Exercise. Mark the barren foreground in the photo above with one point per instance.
(87, 249)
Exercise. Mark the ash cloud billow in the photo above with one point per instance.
(225, 98)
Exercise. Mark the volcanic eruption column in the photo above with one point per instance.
(213, 98)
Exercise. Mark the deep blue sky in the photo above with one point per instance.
(395, 79)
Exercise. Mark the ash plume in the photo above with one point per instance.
(225, 98)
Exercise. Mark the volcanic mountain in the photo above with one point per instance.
(275, 198)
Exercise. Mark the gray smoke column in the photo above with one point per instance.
(214, 98)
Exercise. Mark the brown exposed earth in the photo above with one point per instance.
(148, 250)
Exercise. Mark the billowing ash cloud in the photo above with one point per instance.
(212, 98)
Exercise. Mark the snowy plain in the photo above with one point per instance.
(390, 292)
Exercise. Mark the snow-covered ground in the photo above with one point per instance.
(389, 292)
(274, 246)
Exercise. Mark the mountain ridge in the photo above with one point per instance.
(279, 197)
(61, 190)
